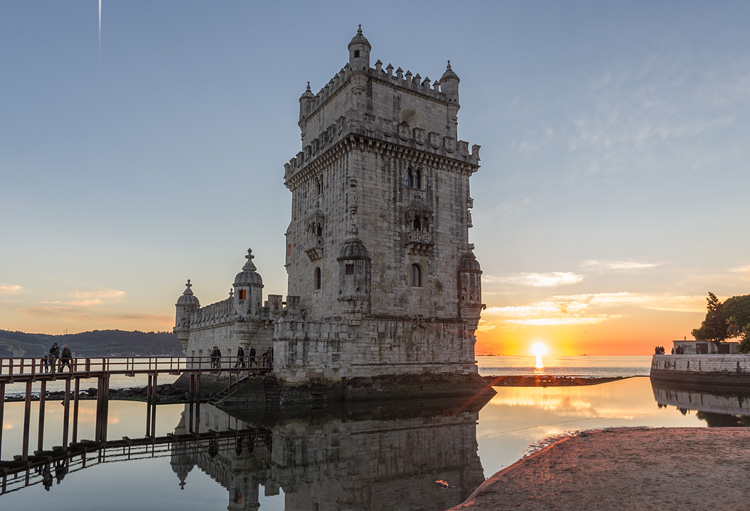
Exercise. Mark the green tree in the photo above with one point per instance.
(714, 327)
(737, 310)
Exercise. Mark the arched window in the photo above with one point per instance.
(349, 269)
(319, 185)
(416, 276)
(243, 294)
(318, 279)
(410, 178)
(416, 224)
(318, 230)
(418, 179)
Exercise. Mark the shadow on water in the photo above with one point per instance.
(377, 455)
(717, 406)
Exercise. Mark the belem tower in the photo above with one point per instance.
(384, 291)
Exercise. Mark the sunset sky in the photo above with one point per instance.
(146, 146)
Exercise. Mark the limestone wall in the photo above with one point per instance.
(372, 348)
(717, 369)
(228, 337)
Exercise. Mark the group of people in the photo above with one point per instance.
(266, 360)
(50, 360)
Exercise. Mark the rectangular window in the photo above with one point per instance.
(350, 269)
(243, 294)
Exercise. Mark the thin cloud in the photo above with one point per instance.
(739, 269)
(551, 279)
(619, 266)
(98, 294)
(585, 309)
(10, 289)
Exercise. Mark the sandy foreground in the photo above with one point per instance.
(630, 468)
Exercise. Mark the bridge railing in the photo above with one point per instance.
(11, 368)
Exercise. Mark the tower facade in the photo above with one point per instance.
(378, 245)
(384, 291)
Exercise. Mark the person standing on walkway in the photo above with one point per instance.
(54, 354)
(65, 358)
(252, 357)
(240, 357)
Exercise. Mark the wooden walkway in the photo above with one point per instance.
(29, 371)
(40, 467)
(22, 370)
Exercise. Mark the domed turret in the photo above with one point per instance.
(359, 52)
(354, 275)
(353, 250)
(248, 286)
(186, 304)
(470, 288)
(449, 84)
(304, 102)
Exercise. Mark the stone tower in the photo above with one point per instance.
(377, 250)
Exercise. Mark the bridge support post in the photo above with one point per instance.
(66, 415)
(42, 405)
(26, 421)
(2, 412)
(75, 409)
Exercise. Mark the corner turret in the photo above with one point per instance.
(248, 289)
(449, 86)
(470, 288)
(305, 101)
(359, 52)
(186, 304)
(354, 275)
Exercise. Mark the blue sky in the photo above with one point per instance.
(611, 198)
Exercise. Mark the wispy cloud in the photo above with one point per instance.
(551, 279)
(81, 301)
(585, 309)
(740, 269)
(10, 289)
(618, 266)
(98, 294)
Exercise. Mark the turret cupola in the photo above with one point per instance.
(186, 304)
(359, 52)
(449, 84)
(305, 100)
(248, 286)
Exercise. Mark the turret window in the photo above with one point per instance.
(318, 279)
(350, 269)
(415, 276)
(415, 178)
(243, 294)
(356, 53)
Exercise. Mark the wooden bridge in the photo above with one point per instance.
(37, 370)
(43, 465)
(22, 370)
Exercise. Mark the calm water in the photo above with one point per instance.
(380, 456)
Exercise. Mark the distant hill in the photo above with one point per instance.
(99, 343)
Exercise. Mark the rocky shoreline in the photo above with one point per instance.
(661, 469)
(549, 381)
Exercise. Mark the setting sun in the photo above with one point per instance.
(539, 349)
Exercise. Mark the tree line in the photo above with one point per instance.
(727, 320)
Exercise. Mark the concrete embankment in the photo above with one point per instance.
(715, 370)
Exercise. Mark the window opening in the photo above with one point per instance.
(318, 280)
(350, 269)
(416, 276)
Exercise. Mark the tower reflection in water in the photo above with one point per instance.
(366, 456)
(719, 407)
